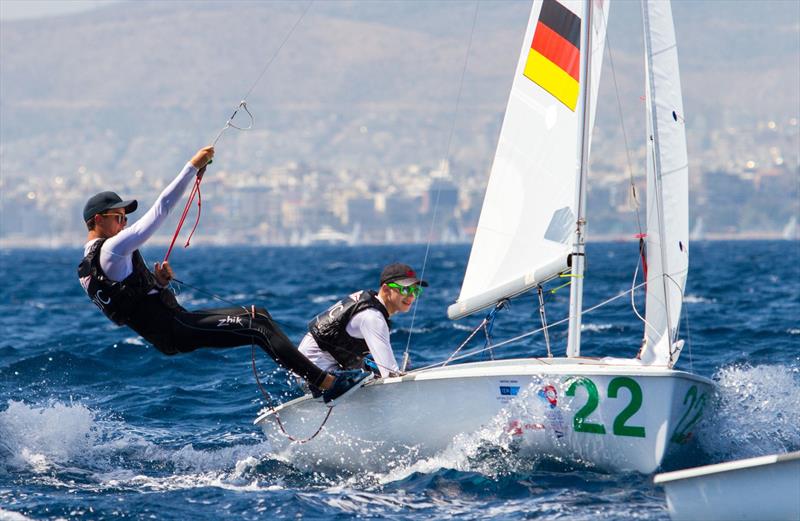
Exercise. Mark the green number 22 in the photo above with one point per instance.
(579, 423)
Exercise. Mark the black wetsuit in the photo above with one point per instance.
(153, 312)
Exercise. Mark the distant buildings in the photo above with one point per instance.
(744, 182)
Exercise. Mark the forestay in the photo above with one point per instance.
(528, 216)
(667, 187)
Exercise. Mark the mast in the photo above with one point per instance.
(579, 244)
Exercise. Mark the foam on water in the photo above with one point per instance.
(228, 473)
(595, 328)
(696, 299)
(365, 503)
(39, 437)
(325, 299)
(7, 515)
(57, 437)
(462, 327)
(489, 451)
(134, 340)
(756, 412)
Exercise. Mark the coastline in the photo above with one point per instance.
(52, 243)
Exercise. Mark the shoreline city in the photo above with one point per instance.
(296, 204)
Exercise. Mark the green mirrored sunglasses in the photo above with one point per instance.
(406, 290)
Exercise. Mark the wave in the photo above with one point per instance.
(8, 515)
(596, 328)
(755, 412)
(37, 438)
(696, 299)
(416, 330)
(325, 299)
(462, 327)
(58, 439)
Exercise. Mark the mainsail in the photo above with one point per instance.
(667, 187)
(527, 221)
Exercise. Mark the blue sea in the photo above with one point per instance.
(96, 424)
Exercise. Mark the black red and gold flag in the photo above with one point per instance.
(554, 59)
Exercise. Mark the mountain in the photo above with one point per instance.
(360, 85)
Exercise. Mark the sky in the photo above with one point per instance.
(28, 9)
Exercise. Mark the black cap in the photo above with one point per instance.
(401, 274)
(103, 201)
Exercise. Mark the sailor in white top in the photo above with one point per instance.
(342, 336)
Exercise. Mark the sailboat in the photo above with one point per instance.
(618, 414)
(698, 231)
(764, 487)
(790, 230)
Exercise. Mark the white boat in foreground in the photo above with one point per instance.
(610, 413)
(613, 413)
(767, 487)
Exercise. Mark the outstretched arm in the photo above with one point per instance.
(130, 239)
(115, 256)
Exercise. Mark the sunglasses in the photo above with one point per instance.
(121, 217)
(406, 291)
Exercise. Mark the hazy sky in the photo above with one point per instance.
(20, 9)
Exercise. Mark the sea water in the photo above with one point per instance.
(96, 424)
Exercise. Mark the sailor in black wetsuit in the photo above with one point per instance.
(118, 281)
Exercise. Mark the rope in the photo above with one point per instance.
(633, 303)
(267, 397)
(635, 198)
(688, 336)
(439, 189)
(465, 342)
(520, 337)
(278, 420)
(489, 324)
(229, 124)
(195, 191)
(543, 317)
(213, 295)
(624, 136)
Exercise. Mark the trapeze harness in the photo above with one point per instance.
(329, 328)
(123, 302)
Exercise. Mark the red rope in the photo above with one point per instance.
(195, 190)
(268, 399)
(641, 237)
(199, 210)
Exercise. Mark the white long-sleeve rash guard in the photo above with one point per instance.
(369, 325)
(116, 255)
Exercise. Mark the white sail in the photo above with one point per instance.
(527, 221)
(667, 187)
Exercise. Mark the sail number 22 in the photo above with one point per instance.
(620, 426)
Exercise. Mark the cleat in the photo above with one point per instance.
(346, 382)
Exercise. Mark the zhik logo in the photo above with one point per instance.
(228, 320)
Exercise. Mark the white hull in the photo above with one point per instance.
(767, 487)
(581, 410)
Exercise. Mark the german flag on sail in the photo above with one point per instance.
(554, 59)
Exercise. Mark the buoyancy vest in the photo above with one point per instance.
(329, 328)
(117, 300)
